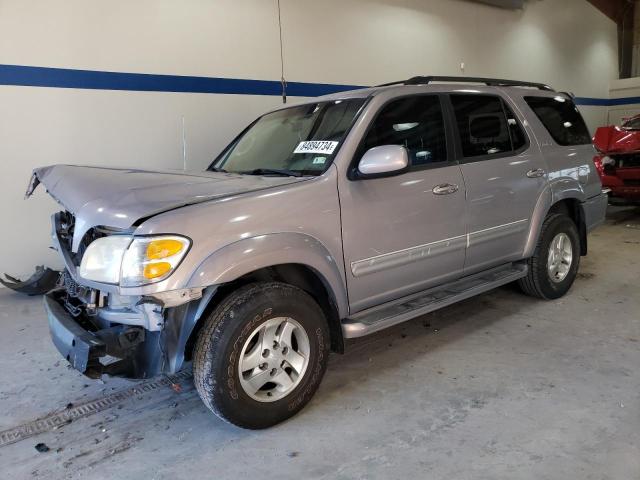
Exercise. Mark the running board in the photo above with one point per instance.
(406, 308)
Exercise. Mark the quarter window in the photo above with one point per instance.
(486, 125)
(561, 118)
(415, 123)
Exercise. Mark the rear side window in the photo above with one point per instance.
(415, 123)
(561, 118)
(486, 125)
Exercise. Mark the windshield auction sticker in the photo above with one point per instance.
(316, 146)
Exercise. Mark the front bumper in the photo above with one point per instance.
(119, 350)
(625, 194)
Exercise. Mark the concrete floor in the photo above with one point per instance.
(500, 386)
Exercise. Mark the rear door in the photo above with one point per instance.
(504, 174)
(404, 233)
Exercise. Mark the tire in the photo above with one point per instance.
(252, 314)
(539, 282)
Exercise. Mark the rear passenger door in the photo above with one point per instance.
(504, 176)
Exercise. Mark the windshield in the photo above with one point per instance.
(300, 140)
(632, 124)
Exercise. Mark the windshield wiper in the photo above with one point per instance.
(273, 171)
(217, 169)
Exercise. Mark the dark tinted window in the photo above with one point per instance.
(632, 124)
(414, 122)
(483, 126)
(561, 119)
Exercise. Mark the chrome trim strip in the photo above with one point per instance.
(407, 255)
(499, 231)
(429, 250)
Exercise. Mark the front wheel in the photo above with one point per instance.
(554, 264)
(261, 354)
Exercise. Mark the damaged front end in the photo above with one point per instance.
(94, 347)
(120, 309)
(99, 331)
(618, 163)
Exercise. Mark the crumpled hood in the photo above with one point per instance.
(120, 197)
(611, 140)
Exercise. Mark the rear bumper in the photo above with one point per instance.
(121, 350)
(595, 210)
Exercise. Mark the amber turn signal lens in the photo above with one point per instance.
(163, 248)
(155, 270)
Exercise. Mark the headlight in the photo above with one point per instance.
(151, 259)
(103, 257)
(133, 262)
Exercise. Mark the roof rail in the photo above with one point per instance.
(492, 82)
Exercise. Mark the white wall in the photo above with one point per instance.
(624, 88)
(566, 43)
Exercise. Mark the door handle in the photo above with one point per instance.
(445, 189)
(535, 173)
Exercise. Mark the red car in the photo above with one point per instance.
(618, 162)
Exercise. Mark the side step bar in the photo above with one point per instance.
(406, 308)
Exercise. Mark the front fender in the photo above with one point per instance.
(251, 254)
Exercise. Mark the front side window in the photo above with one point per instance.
(416, 123)
(483, 125)
(300, 140)
(561, 118)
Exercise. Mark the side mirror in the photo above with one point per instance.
(383, 161)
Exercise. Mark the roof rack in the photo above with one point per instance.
(492, 82)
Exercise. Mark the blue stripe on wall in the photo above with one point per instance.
(606, 102)
(144, 82)
(592, 102)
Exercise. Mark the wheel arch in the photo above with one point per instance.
(253, 254)
(570, 206)
(298, 275)
(292, 258)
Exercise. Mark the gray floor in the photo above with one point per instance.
(498, 387)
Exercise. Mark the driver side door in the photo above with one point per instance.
(404, 233)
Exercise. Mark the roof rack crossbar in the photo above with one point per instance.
(492, 82)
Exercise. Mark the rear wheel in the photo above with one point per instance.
(554, 264)
(261, 354)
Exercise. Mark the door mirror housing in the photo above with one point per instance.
(383, 161)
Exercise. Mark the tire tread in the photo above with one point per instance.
(205, 355)
(530, 284)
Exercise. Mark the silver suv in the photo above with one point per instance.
(319, 223)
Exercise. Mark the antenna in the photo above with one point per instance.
(184, 146)
(282, 79)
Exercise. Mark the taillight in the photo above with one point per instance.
(597, 160)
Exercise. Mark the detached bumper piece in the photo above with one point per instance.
(119, 350)
(42, 280)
